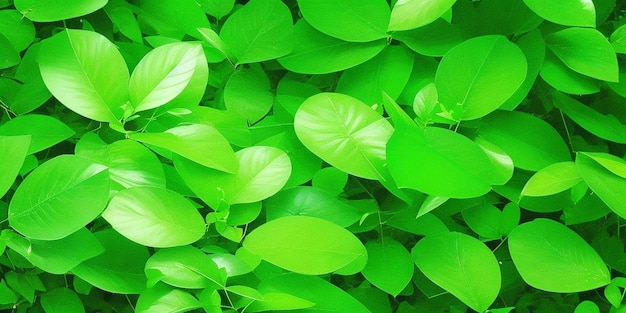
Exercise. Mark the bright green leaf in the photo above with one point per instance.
(587, 307)
(552, 179)
(551, 257)
(45, 131)
(618, 39)
(184, 267)
(279, 301)
(154, 217)
(19, 31)
(61, 300)
(564, 79)
(287, 243)
(610, 162)
(217, 8)
(565, 12)
(389, 265)
(66, 188)
(13, 150)
(434, 39)
(461, 265)
(410, 14)
(607, 185)
(248, 93)
(162, 298)
(10, 56)
(50, 11)
(534, 49)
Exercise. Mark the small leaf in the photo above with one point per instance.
(612, 163)
(184, 267)
(618, 39)
(154, 217)
(162, 298)
(61, 300)
(389, 266)
(45, 131)
(587, 307)
(275, 301)
(566, 263)
(603, 182)
(461, 265)
(66, 188)
(13, 151)
(552, 179)
(50, 11)
(565, 12)
(286, 242)
(410, 14)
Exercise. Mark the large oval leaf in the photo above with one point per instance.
(50, 11)
(13, 151)
(317, 53)
(467, 73)
(552, 179)
(163, 74)
(184, 267)
(565, 12)
(197, 142)
(301, 244)
(86, 72)
(607, 185)
(344, 132)
(350, 20)
(551, 257)
(410, 14)
(571, 45)
(67, 188)
(462, 265)
(154, 217)
(45, 131)
(389, 265)
(162, 298)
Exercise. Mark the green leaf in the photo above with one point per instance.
(534, 49)
(173, 18)
(389, 265)
(607, 127)
(7, 296)
(217, 8)
(19, 32)
(57, 256)
(154, 217)
(184, 267)
(310, 201)
(120, 269)
(587, 307)
(434, 39)
(286, 242)
(10, 56)
(330, 179)
(45, 131)
(13, 151)
(349, 20)
(326, 296)
(279, 301)
(33, 92)
(50, 11)
(86, 72)
(66, 188)
(122, 16)
(410, 14)
(163, 74)
(553, 258)
(61, 300)
(571, 45)
(552, 179)
(248, 93)
(461, 265)
(440, 162)
(344, 132)
(610, 162)
(603, 182)
(200, 143)
(618, 39)
(317, 53)
(564, 79)
(532, 143)
(489, 222)
(162, 298)
(565, 12)
(468, 72)
(260, 31)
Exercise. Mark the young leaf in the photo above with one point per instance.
(566, 263)
(571, 45)
(344, 132)
(468, 71)
(154, 217)
(163, 74)
(200, 143)
(461, 265)
(61, 300)
(162, 298)
(66, 188)
(349, 20)
(552, 179)
(286, 242)
(389, 265)
(565, 12)
(50, 11)
(317, 53)
(184, 267)
(86, 72)
(45, 131)
(410, 14)
(13, 151)
(603, 182)
(259, 31)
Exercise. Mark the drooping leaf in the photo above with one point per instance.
(552, 179)
(162, 298)
(571, 45)
(345, 133)
(50, 11)
(66, 188)
(603, 182)
(249, 94)
(86, 72)
(551, 257)
(532, 143)
(45, 131)
(565, 12)
(410, 14)
(61, 300)
(200, 143)
(462, 265)
(349, 20)
(184, 267)
(468, 72)
(587, 307)
(260, 31)
(389, 265)
(317, 53)
(154, 217)
(287, 243)
(13, 151)
(120, 269)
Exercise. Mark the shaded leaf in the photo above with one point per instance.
(45, 131)
(389, 266)
(61, 300)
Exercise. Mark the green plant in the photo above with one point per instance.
(312, 155)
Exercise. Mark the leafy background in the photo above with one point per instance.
(312, 156)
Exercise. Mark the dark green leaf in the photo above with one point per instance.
(61, 300)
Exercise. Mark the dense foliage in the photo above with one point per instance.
(312, 156)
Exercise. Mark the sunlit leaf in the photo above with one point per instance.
(13, 151)
(162, 298)
(184, 267)
(50, 11)
(604, 183)
(45, 131)
(410, 14)
(565, 12)
(552, 179)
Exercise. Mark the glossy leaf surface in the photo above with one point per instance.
(565, 12)
(50, 11)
